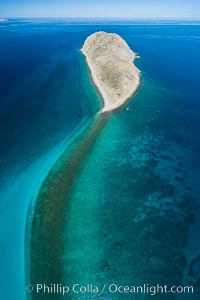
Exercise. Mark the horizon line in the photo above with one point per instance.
(105, 18)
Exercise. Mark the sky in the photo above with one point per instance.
(101, 8)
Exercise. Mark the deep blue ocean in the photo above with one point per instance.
(133, 211)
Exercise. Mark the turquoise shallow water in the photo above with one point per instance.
(42, 108)
(132, 215)
(133, 203)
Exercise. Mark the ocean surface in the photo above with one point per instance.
(132, 212)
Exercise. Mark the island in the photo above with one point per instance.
(3, 20)
(110, 61)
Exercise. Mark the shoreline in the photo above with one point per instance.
(107, 104)
(103, 95)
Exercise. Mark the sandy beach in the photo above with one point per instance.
(110, 61)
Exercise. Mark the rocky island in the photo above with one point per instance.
(111, 64)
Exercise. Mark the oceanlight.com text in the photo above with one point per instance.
(114, 289)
